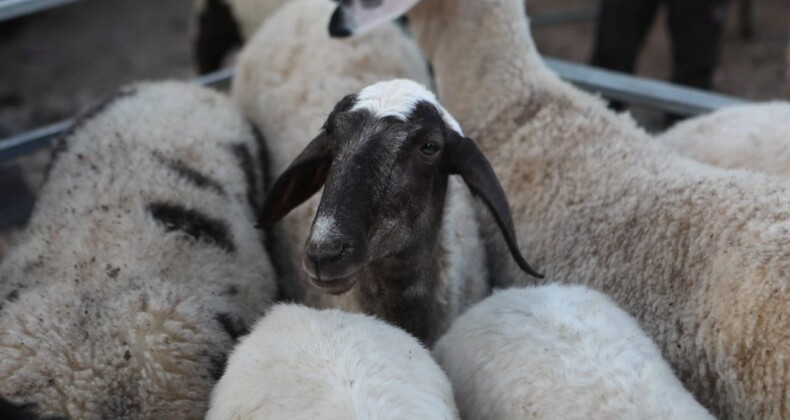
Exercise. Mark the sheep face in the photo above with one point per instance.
(353, 17)
(384, 192)
(383, 157)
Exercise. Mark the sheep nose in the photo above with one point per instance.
(323, 254)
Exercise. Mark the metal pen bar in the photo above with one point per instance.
(42, 137)
(10, 9)
(647, 93)
(642, 92)
(564, 17)
(31, 140)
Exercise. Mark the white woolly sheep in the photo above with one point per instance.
(288, 88)
(302, 363)
(221, 25)
(698, 255)
(558, 352)
(388, 231)
(755, 137)
(140, 265)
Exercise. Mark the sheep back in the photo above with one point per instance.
(301, 363)
(558, 352)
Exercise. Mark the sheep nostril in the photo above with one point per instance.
(323, 254)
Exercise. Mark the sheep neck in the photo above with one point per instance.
(400, 288)
(479, 49)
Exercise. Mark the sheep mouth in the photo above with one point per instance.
(334, 286)
(337, 277)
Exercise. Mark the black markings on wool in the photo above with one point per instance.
(190, 174)
(232, 325)
(193, 223)
(247, 165)
(24, 411)
(218, 364)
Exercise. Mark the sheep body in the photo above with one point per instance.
(289, 88)
(755, 137)
(301, 363)
(140, 265)
(696, 254)
(558, 352)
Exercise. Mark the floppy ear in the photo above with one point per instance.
(465, 159)
(354, 17)
(303, 178)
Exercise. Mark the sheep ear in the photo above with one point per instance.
(354, 17)
(465, 159)
(303, 178)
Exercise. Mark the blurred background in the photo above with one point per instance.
(56, 63)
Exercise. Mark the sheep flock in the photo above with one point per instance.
(391, 218)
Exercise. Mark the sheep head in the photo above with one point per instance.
(383, 157)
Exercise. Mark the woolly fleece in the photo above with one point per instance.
(698, 255)
(111, 313)
(753, 137)
(301, 363)
(558, 352)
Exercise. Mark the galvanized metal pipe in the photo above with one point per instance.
(647, 93)
(10, 9)
(564, 17)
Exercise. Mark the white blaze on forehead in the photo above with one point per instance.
(398, 98)
(324, 229)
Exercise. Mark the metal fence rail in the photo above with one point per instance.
(647, 93)
(564, 17)
(642, 92)
(10, 9)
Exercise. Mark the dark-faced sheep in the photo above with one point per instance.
(392, 232)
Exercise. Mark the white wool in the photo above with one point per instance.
(114, 309)
(301, 363)
(754, 137)
(558, 352)
(398, 98)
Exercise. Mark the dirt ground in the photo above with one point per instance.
(55, 64)
(750, 69)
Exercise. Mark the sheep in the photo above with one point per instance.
(140, 266)
(303, 363)
(390, 235)
(697, 254)
(287, 89)
(221, 25)
(755, 136)
(557, 351)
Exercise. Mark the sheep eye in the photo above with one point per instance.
(430, 148)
